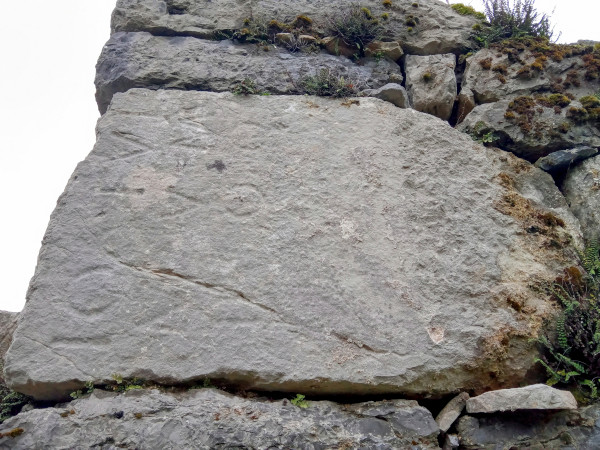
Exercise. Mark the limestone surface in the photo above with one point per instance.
(290, 243)
(8, 323)
(439, 28)
(141, 60)
(577, 429)
(391, 92)
(581, 187)
(495, 74)
(534, 132)
(452, 411)
(537, 396)
(431, 84)
(209, 419)
(564, 160)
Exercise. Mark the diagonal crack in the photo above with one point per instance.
(59, 354)
(160, 272)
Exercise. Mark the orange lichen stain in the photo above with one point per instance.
(15, 432)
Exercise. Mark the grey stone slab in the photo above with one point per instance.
(289, 243)
(440, 29)
(431, 84)
(452, 411)
(131, 60)
(206, 419)
(537, 396)
(582, 190)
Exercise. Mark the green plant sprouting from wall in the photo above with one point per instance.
(356, 26)
(571, 346)
(11, 402)
(508, 19)
(300, 401)
(325, 83)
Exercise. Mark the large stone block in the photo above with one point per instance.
(141, 60)
(8, 324)
(431, 84)
(533, 131)
(209, 419)
(439, 28)
(294, 244)
(582, 190)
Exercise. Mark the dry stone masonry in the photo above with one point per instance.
(230, 230)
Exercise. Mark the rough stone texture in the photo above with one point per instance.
(537, 396)
(487, 84)
(581, 187)
(440, 29)
(391, 92)
(431, 84)
(563, 160)
(290, 243)
(209, 419)
(466, 104)
(451, 411)
(131, 60)
(390, 50)
(543, 138)
(574, 429)
(8, 324)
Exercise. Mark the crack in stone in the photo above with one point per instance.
(160, 272)
(59, 354)
(359, 344)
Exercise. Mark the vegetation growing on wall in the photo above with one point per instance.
(467, 11)
(11, 402)
(326, 84)
(571, 347)
(356, 26)
(509, 19)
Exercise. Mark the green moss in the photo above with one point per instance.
(465, 10)
(577, 114)
(427, 77)
(553, 100)
(411, 21)
(385, 16)
(367, 13)
(415, 5)
(589, 101)
(302, 22)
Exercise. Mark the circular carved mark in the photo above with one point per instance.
(243, 200)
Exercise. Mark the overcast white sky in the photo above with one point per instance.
(48, 113)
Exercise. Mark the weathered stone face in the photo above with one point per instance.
(439, 28)
(492, 75)
(141, 60)
(536, 133)
(431, 84)
(582, 190)
(289, 243)
(8, 323)
(209, 419)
